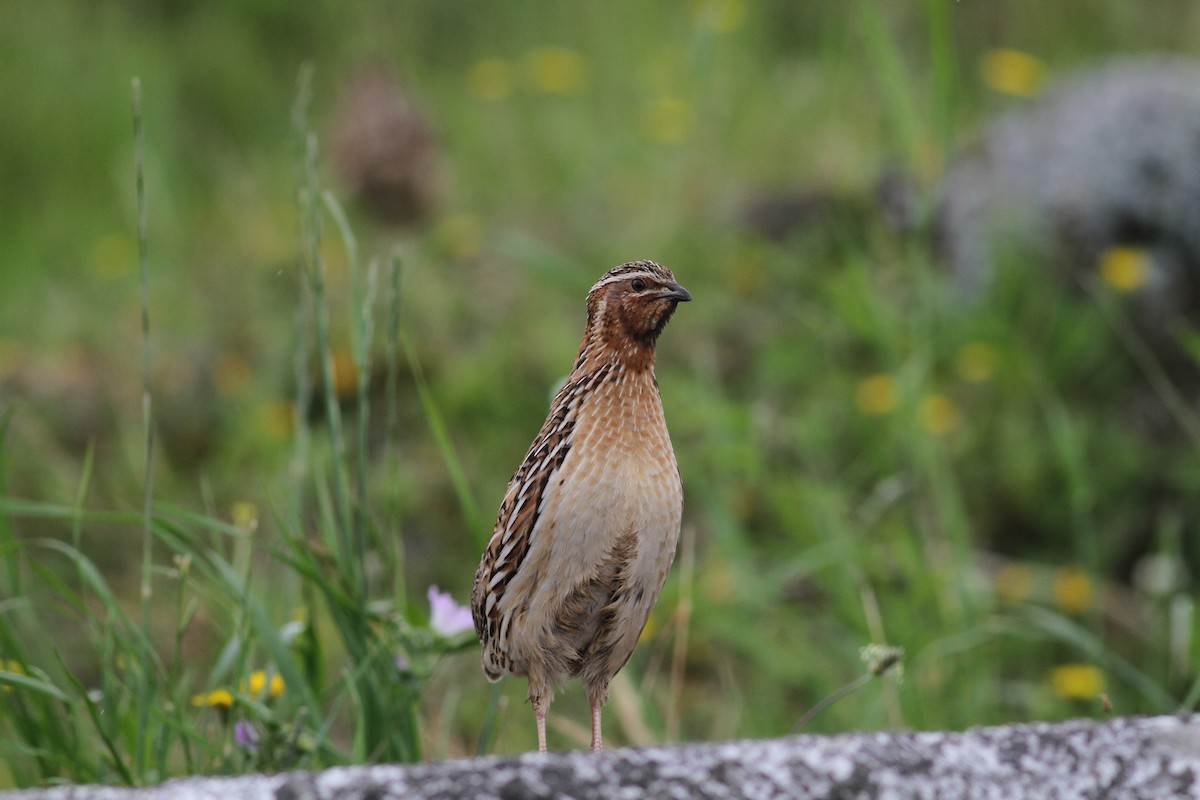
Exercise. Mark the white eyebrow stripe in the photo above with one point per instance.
(625, 276)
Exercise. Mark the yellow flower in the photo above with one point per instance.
(1073, 590)
(245, 516)
(976, 362)
(1124, 268)
(1013, 72)
(1014, 583)
(260, 684)
(667, 121)
(720, 16)
(556, 70)
(938, 414)
(260, 681)
(491, 80)
(1077, 681)
(877, 394)
(220, 699)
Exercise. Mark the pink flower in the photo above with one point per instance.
(246, 736)
(446, 617)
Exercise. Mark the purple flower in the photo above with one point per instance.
(446, 617)
(246, 736)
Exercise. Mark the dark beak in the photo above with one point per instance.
(673, 291)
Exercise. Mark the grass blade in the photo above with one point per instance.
(437, 426)
(144, 699)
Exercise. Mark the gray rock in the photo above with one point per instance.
(1127, 757)
(1110, 157)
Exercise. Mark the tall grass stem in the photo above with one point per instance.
(144, 689)
(391, 412)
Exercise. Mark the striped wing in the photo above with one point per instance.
(518, 517)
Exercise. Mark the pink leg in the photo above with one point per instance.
(540, 706)
(597, 739)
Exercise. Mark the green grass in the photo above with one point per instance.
(855, 471)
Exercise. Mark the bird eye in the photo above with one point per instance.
(638, 285)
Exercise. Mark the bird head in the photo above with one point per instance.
(631, 304)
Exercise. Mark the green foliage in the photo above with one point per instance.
(364, 673)
(864, 460)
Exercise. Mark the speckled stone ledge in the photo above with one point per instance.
(1128, 757)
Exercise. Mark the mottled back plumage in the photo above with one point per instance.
(587, 529)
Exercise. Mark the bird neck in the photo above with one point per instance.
(614, 351)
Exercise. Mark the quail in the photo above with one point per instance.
(588, 527)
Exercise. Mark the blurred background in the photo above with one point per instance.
(938, 388)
